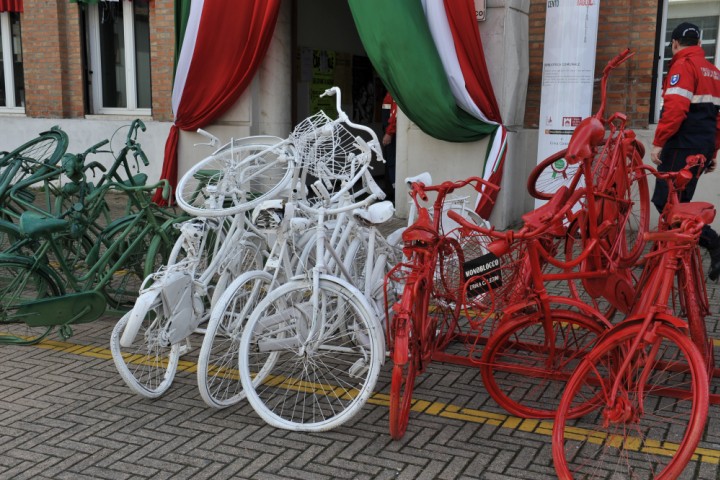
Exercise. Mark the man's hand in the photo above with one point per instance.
(655, 155)
(386, 140)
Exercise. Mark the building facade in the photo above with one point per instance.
(92, 66)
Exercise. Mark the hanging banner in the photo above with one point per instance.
(568, 71)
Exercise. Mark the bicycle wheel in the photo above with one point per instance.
(524, 370)
(21, 283)
(551, 174)
(621, 192)
(246, 255)
(447, 294)
(147, 366)
(575, 241)
(308, 367)
(407, 354)
(43, 151)
(128, 265)
(217, 374)
(234, 180)
(648, 419)
(694, 301)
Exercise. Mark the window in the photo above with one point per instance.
(118, 34)
(703, 13)
(12, 84)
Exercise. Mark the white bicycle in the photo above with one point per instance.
(312, 349)
(212, 250)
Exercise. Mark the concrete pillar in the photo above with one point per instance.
(272, 104)
(505, 41)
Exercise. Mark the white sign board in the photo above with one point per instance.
(568, 71)
(480, 10)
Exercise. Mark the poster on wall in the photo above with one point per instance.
(568, 71)
(323, 77)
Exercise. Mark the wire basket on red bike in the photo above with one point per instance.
(492, 279)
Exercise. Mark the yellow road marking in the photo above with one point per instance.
(541, 427)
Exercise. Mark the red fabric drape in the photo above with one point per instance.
(466, 36)
(229, 48)
(11, 6)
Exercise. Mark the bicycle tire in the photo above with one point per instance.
(148, 366)
(224, 184)
(516, 366)
(217, 373)
(549, 175)
(286, 376)
(447, 295)
(575, 241)
(21, 282)
(695, 301)
(248, 255)
(123, 286)
(636, 434)
(406, 354)
(45, 150)
(624, 201)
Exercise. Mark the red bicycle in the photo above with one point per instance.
(425, 318)
(647, 378)
(607, 155)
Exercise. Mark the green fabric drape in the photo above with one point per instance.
(182, 12)
(399, 44)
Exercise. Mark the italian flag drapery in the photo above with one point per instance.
(221, 50)
(11, 6)
(429, 55)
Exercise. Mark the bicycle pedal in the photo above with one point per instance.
(186, 347)
(359, 368)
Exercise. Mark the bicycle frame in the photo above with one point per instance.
(93, 280)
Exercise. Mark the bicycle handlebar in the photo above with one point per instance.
(419, 188)
(681, 177)
(94, 148)
(369, 200)
(132, 133)
(374, 143)
(612, 64)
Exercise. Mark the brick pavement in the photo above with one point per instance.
(66, 414)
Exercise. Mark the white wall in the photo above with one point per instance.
(83, 133)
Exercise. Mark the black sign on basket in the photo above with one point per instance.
(484, 273)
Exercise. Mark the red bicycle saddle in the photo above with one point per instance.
(588, 135)
(691, 211)
(539, 217)
(422, 230)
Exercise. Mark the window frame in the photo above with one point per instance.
(7, 67)
(93, 33)
(657, 106)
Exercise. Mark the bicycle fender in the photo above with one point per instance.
(132, 327)
(669, 319)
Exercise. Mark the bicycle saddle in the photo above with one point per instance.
(585, 138)
(538, 218)
(422, 230)
(691, 211)
(376, 213)
(33, 224)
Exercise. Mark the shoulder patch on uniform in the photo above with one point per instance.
(675, 79)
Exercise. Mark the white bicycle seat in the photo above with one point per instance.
(376, 213)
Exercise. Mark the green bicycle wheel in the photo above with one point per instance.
(21, 283)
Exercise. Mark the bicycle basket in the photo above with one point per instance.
(491, 282)
(327, 149)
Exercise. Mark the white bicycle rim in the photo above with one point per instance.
(148, 370)
(310, 386)
(227, 183)
(217, 374)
